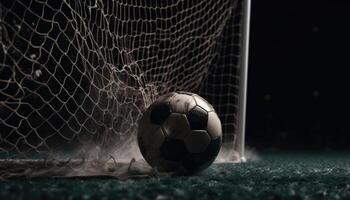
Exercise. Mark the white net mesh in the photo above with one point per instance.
(75, 75)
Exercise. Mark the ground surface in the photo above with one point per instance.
(275, 176)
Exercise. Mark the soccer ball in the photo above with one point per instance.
(180, 132)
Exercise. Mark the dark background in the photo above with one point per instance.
(298, 75)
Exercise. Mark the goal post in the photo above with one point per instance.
(76, 76)
(241, 130)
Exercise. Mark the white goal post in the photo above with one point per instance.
(241, 130)
(76, 75)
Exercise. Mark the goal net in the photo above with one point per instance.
(75, 76)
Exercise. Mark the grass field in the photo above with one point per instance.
(276, 175)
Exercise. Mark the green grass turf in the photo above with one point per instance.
(275, 176)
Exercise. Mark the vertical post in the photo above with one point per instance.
(240, 142)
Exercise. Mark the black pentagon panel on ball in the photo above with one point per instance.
(160, 112)
(198, 118)
(213, 148)
(196, 162)
(197, 141)
(177, 126)
(173, 150)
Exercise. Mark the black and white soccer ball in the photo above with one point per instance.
(180, 132)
